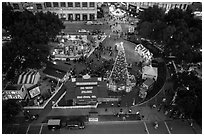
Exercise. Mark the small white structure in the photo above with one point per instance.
(144, 52)
(149, 72)
(17, 92)
(118, 13)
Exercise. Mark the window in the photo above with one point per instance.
(180, 6)
(77, 17)
(39, 6)
(62, 4)
(91, 4)
(92, 16)
(70, 16)
(48, 4)
(77, 4)
(15, 6)
(70, 4)
(184, 7)
(55, 4)
(84, 4)
(84, 17)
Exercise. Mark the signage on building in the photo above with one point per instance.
(88, 91)
(93, 119)
(86, 83)
(34, 92)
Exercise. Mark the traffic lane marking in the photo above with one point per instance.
(179, 127)
(146, 127)
(41, 128)
(34, 129)
(22, 129)
(160, 130)
(167, 127)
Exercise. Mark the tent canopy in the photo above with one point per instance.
(118, 13)
(150, 72)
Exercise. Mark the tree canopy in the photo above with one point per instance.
(30, 34)
(178, 30)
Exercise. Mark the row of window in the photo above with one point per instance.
(77, 17)
(69, 4)
(59, 4)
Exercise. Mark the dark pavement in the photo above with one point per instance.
(104, 128)
(48, 107)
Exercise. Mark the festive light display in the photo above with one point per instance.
(119, 77)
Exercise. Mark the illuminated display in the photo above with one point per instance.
(34, 92)
(86, 83)
(88, 91)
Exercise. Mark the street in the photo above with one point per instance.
(111, 127)
(104, 128)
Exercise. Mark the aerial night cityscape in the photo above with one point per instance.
(101, 67)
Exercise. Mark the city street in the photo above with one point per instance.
(104, 128)
(111, 127)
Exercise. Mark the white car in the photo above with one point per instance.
(89, 22)
(83, 31)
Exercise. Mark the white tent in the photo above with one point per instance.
(143, 52)
(149, 72)
(118, 13)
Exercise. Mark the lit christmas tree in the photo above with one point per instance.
(119, 77)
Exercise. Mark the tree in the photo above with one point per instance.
(30, 35)
(10, 108)
(145, 29)
(152, 14)
(189, 98)
(178, 30)
(7, 16)
(119, 73)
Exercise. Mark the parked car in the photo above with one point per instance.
(89, 23)
(98, 23)
(83, 31)
(75, 124)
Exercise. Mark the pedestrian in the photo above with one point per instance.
(124, 118)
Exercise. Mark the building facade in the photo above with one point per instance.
(165, 5)
(71, 11)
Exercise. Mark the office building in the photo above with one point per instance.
(71, 11)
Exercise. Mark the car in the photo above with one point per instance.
(83, 31)
(98, 23)
(54, 124)
(89, 23)
(75, 124)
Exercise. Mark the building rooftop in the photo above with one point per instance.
(13, 87)
(148, 82)
(54, 72)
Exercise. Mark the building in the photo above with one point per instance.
(33, 91)
(140, 6)
(31, 77)
(86, 91)
(16, 92)
(55, 73)
(149, 72)
(71, 11)
(145, 87)
(148, 84)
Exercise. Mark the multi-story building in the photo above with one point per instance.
(165, 5)
(65, 10)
